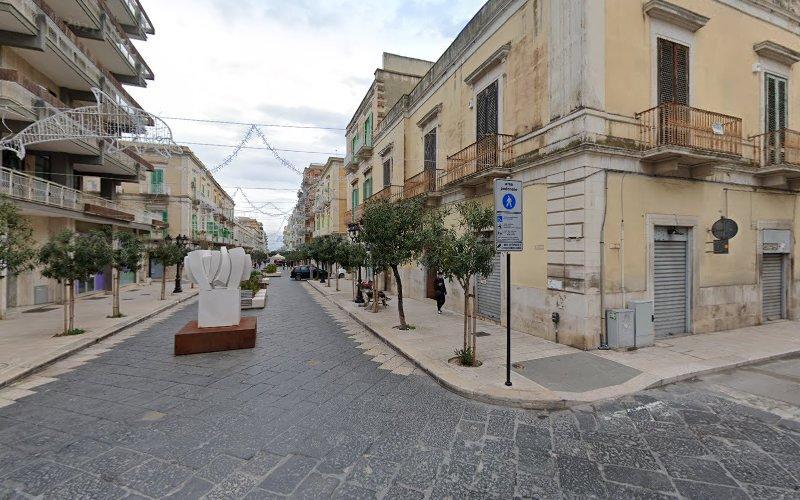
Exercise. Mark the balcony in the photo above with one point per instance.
(40, 192)
(485, 159)
(686, 136)
(389, 193)
(777, 157)
(422, 184)
(155, 189)
(53, 49)
(363, 149)
(354, 215)
(132, 17)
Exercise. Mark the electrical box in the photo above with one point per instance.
(620, 328)
(644, 319)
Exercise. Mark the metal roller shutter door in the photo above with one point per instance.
(671, 287)
(772, 286)
(489, 293)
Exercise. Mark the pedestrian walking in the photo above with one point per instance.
(440, 292)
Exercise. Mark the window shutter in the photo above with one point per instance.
(782, 104)
(430, 150)
(387, 172)
(681, 74)
(665, 72)
(487, 111)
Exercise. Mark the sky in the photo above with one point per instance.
(299, 63)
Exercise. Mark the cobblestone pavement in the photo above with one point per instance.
(309, 414)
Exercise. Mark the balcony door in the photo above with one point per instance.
(487, 126)
(429, 149)
(775, 115)
(673, 93)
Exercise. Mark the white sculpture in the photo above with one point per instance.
(218, 275)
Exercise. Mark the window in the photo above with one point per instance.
(165, 220)
(157, 181)
(387, 172)
(42, 167)
(354, 142)
(194, 224)
(673, 72)
(11, 160)
(775, 107)
(367, 187)
(354, 195)
(368, 131)
(429, 146)
(486, 111)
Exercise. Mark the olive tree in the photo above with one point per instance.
(17, 253)
(167, 253)
(393, 232)
(126, 256)
(71, 257)
(461, 252)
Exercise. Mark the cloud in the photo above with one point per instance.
(304, 62)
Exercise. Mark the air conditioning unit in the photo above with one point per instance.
(620, 328)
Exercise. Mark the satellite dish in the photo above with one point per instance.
(725, 229)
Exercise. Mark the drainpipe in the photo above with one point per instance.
(603, 333)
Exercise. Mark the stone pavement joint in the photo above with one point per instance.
(435, 337)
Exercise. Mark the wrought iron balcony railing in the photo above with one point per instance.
(389, 193)
(487, 153)
(671, 124)
(25, 187)
(422, 183)
(778, 147)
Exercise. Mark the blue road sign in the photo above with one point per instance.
(509, 201)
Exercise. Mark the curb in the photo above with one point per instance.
(88, 343)
(539, 404)
(528, 404)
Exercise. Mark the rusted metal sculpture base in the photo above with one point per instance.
(194, 340)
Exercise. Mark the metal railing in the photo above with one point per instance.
(389, 193)
(25, 187)
(671, 124)
(778, 147)
(422, 183)
(487, 153)
(156, 189)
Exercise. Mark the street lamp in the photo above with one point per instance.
(353, 229)
(181, 241)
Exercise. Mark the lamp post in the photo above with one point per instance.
(181, 242)
(353, 229)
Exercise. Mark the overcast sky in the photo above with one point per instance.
(304, 62)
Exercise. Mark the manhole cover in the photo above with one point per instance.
(40, 310)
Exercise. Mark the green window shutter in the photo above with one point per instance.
(368, 131)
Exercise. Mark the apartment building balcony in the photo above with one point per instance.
(422, 184)
(53, 49)
(155, 190)
(485, 159)
(363, 149)
(777, 157)
(42, 197)
(389, 193)
(350, 162)
(132, 17)
(354, 215)
(96, 25)
(679, 135)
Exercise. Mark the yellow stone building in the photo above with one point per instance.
(330, 202)
(634, 126)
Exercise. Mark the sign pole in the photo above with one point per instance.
(508, 319)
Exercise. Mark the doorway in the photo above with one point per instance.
(671, 280)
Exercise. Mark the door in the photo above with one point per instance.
(773, 286)
(775, 115)
(488, 300)
(487, 127)
(673, 93)
(671, 281)
(157, 181)
(430, 276)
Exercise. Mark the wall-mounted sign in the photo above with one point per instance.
(725, 229)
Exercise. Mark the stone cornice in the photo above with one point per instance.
(497, 57)
(674, 14)
(430, 115)
(777, 52)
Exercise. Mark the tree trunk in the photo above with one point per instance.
(115, 292)
(474, 337)
(66, 307)
(353, 280)
(400, 311)
(375, 305)
(337, 276)
(71, 306)
(164, 283)
(466, 311)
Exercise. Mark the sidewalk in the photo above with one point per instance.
(550, 375)
(27, 340)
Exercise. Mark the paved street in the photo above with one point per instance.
(309, 414)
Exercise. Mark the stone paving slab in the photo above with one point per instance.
(27, 341)
(432, 342)
(308, 414)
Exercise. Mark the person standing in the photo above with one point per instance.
(440, 292)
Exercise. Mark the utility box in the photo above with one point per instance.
(644, 320)
(620, 328)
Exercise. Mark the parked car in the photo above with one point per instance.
(304, 272)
